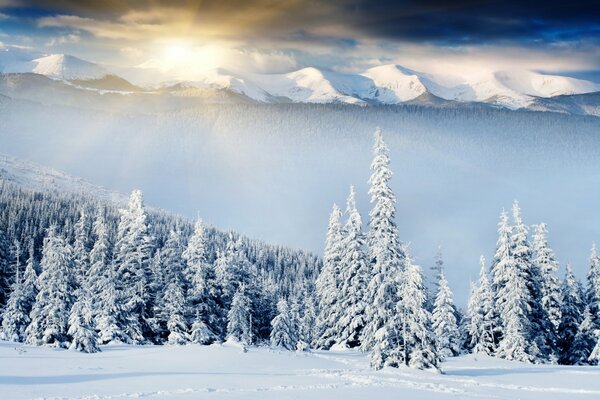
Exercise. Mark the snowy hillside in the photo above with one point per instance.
(225, 372)
(32, 176)
(383, 84)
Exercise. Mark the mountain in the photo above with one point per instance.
(384, 84)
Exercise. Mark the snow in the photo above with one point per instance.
(225, 371)
(59, 66)
(32, 176)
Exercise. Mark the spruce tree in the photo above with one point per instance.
(444, 321)
(203, 294)
(571, 317)
(5, 270)
(99, 260)
(501, 263)
(174, 310)
(308, 331)
(239, 318)
(282, 334)
(81, 248)
(329, 282)
(133, 251)
(50, 312)
(354, 277)
(386, 254)
(585, 340)
(110, 309)
(592, 294)
(540, 328)
(545, 261)
(480, 317)
(16, 314)
(82, 329)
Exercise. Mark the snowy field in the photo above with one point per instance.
(225, 372)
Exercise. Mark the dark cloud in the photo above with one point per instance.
(436, 21)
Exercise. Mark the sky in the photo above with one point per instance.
(346, 35)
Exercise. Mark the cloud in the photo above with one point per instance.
(63, 39)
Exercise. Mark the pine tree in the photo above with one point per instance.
(174, 309)
(594, 358)
(133, 254)
(50, 312)
(239, 318)
(82, 331)
(329, 282)
(203, 293)
(282, 334)
(444, 321)
(99, 260)
(386, 254)
(571, 317)
(354, 276)
(550, 285)
(419, 342)
(585, 340)
(480, 325)
(308, 332)
(5, 270)
(592, 295)
(110, 310)
(540, 329)
(81, 249)
(501, 263)
(16, 314)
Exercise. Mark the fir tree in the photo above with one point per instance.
(174, 309)
(81, 249)
(283, 334)
(99, 260)
(592, 294)
(329, 282)
(354, 275)
(501, 263)
(16, 314)
(5, 270)
(239, 318)
(585, 340)
(480, 317)
(540, 329)
(571, 317)
(110, 310)
(386, 254)
(50, 312)
(82, 331)
(203, 293)
(550, 285)
(308, 332)
(444, 321)
(133, 254)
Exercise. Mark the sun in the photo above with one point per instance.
(177, 53)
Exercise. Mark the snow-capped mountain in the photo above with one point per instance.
(384, 84)
(59, 66)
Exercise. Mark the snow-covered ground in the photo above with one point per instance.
(226, 372)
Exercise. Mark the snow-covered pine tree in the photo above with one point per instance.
(501, 263)
(585, 340)
(81, 249)
(109, 309)
(232, 270)
(82, 328)
(308, 331)
(444, 322)
(239, 318)
(480, 317)
(540, 330)
(5, 270)
(386, 254)
(419, 342)
(543, 258)
(354, 278)
(174, 309)
(15, 318)
(56, 285)
(203, 295)
(513, 297)
(329, 282)
(282, 334)
(592, 294)
(99, 260)
(571, 317)
(594, 358)
(133, 251)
